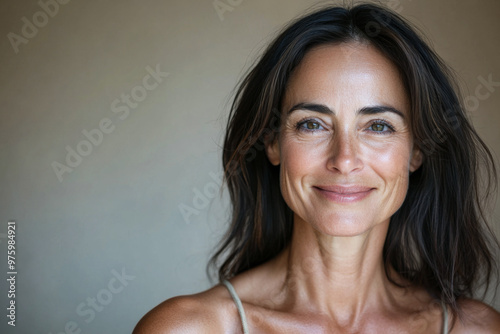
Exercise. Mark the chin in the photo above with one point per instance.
(343, 226)
(343, 230)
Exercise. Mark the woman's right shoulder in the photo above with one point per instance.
(211, 311)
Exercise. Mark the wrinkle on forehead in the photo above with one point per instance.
(351, 65)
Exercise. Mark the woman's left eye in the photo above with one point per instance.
(381, 127)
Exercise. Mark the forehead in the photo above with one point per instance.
(347, 75)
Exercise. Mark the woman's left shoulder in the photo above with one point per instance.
(479, 318)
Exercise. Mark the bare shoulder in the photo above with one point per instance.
(210, 311)
(479, 318)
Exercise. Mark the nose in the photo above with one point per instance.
(344, 157)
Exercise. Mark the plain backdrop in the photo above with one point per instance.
(134, 221)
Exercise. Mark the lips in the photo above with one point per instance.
(345, 189)
(344, 194)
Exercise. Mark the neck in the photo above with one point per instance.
(340, 276)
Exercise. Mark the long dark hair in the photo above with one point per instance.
(438, 239)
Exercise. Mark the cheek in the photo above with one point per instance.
(300, 159)
(299, 162)
(392, 167)
(391, 158)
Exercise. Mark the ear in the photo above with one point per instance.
(416, 159)
(273, 150)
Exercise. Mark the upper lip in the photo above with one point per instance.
(351, 189)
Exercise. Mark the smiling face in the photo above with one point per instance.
(345, 148)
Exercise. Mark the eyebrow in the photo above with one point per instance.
(323, 109)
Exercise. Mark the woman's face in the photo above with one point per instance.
(345, 148)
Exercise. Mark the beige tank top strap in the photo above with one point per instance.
(239, 305)
(445, 318)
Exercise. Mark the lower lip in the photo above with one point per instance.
(344, 198)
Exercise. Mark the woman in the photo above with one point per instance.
(353, 175)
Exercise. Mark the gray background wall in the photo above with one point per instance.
(118, 212)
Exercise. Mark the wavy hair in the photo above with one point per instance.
(438, 239)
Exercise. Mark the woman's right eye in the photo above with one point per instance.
(309, 125)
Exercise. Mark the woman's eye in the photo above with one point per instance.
(378, 127)
(309, 125)
(381, 127)
(312, 125)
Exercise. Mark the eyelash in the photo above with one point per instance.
(382, 122)
(299, 125)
